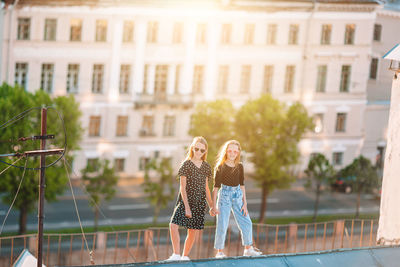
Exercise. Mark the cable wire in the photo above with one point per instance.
(25, 113)
(16, 194)
(77, 213)
(97, 206)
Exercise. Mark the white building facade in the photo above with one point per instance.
(138, 68)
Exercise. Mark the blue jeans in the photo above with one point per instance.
(231, 198)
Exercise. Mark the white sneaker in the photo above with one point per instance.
(220, 255)
(174, 257)
(252, 251)
(185, 258)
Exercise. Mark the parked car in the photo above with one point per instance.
(343, 184)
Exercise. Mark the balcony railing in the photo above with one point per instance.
(143, 100)
(154, 244)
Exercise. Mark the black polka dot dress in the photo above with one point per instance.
(196, 179)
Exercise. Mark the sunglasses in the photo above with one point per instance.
(233, 151)
(201, 150)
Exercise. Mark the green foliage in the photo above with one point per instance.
(159, 189)
(270, 131)
(13, 101)
(319, 171)
(365, 175)
(213, 121)
(100, 181)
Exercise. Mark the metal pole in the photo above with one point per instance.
(42, 185)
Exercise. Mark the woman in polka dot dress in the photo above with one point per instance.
(190, 208)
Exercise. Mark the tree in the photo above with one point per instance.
(159, 189)
(213, 121)
(270, 132)
(100, 181)
(13, 101)
(363, 177)
(319, 172)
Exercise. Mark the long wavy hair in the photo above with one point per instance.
(222, 155)
(190, 153)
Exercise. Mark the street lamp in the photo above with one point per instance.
(389, 218)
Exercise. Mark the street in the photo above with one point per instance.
(130, 207)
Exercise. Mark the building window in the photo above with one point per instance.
(124, 79)
(24, 28)
(271, 34)
(289, 79)
(326, 34)
(160, 82)
(94, 125)
(147, 126)
(92, 163)
(50, 29)
(178, 33)
(101, 30)
(97, 78)
(177, 78)
(245, 79)
(345, 78)
(318, 123)
(349, 34)
(337, 158)
(72, 78)
(119, 164)
(249, 34)
(143, 161)
(122, 126)
(341, 122)
(223, 74)
(321, 78)
(293, 34)
(21, 74)
(377, 32)
(145, 74)
(46, 82)
(198, 75)
(268, 74)
(373, 69)
(152, 31)
(201, 33)
(169, 126)
(76, 30)
(226, 33)
(129, 27)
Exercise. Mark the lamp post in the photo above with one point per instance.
(389, 218)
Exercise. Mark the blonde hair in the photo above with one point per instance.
(197, 139)
(221, 158)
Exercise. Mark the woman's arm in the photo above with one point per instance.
(209, 200)
(244, 207)
(188, 212)
(215, 194)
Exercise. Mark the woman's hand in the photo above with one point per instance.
(244, 210)
(188, 213)
(211, 211)
(214, 211)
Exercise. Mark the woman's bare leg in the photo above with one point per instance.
(190, 238)
(174, 231)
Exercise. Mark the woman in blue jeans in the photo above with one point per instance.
(229, 186)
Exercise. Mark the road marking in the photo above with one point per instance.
(258, 200)
(129, 207)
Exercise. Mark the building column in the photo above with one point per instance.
(188, 65)
(138, 65)
(115, 68)
(389, 218)
(211, 67)
(171, 79)
(151, 77)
